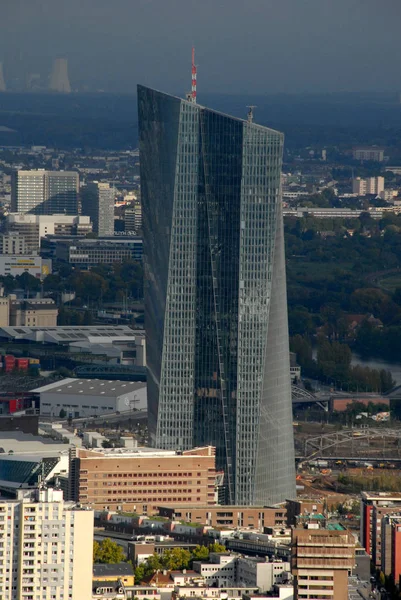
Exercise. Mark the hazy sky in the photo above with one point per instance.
(242, 46)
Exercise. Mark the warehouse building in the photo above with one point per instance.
(90, 397)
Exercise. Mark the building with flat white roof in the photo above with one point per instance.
(91, 397)
(66, 334)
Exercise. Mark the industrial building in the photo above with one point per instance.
(90, 397)
(59, 79)
(142, 479)
(67, 334)
(48, 548)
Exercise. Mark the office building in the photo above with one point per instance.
(13, 243)
(141, 479)
(216, 316)
(44, 192)
(97, 200)
(369, 153)
(133, 218)
(47, 548)
(89, 252)
(321, 560)
(91, 397)
(368, 186)
(391, 546)
(33, 228)
(374, 505)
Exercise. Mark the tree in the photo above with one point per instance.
(216, 547)
(176, 559)
(63, 415)
(153, 564)
(139, 573)
(108, 552)
(200, 553)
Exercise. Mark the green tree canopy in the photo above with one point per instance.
(107, 552)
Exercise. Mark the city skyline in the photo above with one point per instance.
(215, 302)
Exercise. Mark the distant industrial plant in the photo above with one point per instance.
(58, 80)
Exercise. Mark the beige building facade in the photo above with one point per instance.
(255, 517)
(33, 313)
(321, 560)
(143, 479)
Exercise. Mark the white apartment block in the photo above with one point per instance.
(370, 185)
(224, 570)
(220, 571)
(46, 549)
(256, 572)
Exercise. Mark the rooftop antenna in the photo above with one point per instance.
(194, 73)
(250, 112)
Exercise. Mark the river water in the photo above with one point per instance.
(377, 363)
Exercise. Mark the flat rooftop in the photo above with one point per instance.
(27, 444)
(219, 507)
(381, 495)
(142, 452)
(91, 387)
(65, 333)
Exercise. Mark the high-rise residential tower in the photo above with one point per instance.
(47, 548)
(97, 200)
(216, 311)
(42, 192)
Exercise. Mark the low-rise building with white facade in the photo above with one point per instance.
(91, 397)
(219, 571)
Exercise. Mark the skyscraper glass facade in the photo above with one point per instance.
(216, 317)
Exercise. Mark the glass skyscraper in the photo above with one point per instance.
(215, 305)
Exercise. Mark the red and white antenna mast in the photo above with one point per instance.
(194, 73)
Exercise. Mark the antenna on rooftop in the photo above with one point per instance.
(250, 112)
(191, 96)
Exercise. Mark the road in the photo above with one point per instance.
(121, 539)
